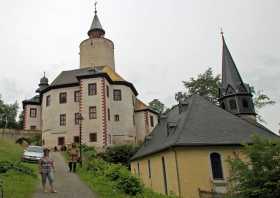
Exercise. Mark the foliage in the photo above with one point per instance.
(260, 175)
(17, 166)
(8, 114)
(261, 100)
(205, 84)
(157, 105)
(16, 182)
(20, 124)
(119, 154)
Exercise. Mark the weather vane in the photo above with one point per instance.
(95, 4)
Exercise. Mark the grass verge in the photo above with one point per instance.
(16, 185)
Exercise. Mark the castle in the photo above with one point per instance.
(92, 104)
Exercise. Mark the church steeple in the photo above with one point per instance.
(235, 95)
(96, 30)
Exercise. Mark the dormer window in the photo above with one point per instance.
(171, 126)
(232, 104)
(245, 103)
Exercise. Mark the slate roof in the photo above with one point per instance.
(96, 25)
(230, 74)
(70, 77)
(34, 100)
(200, 124)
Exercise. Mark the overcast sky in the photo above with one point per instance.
(158, 43)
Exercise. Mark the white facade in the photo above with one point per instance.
(110, 113)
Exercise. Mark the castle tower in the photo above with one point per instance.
(97, 50)
(235, 95)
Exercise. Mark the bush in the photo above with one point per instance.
(129, 184)
(119, 154)
(96, 166)
(6, 166)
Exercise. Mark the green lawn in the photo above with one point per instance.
(16, 185)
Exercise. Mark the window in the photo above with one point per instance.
(33, 127)
(92, 89)
(48, 101)
(245, 103)
(77, 96)
(152, 121)
(76, 139)
(62, 97)
(108, 91)
(109, 116)
(60, 141)
(77, 120)
(164, 175)
(149, 168)
(33, 113)
(232, 104)
(117, 117)
(92, 112)
(117, 94)
(216, 165)
(93, 137)
(62, 120)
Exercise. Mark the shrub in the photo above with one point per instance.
(129, 184)
(119, 154)
(96, 166)
(6, 166)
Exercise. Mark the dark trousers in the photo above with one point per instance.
(72, 166)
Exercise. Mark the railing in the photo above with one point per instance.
(210, 194)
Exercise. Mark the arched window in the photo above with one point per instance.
(232, 104)
(216, 165)
(245, 103)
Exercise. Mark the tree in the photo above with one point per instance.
(156, 105)
(8, 114)
(260, 175)
(206, 85)
(20, 123)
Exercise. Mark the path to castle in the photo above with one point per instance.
(68, 185)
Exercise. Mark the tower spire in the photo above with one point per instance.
(96, 30)
(235, 95)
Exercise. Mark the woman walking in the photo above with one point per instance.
(46, 168)
(73, 158)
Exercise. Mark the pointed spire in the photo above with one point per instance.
(230, 74)
(96, 29)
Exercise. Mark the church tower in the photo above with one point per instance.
(97, 50)
(235, 96)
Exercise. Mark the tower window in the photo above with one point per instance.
(117, 94)
(48, 100)
(245, 103)
(62, 120)
(92, 90)
(93, 137)
(33, 113)
(62, 97)
(117, 117)
(92, 112)
(77, 118)
(108, 91)
(152, 121)
(109, 116)
(232, 104)
(77, 96)
(216, 165)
